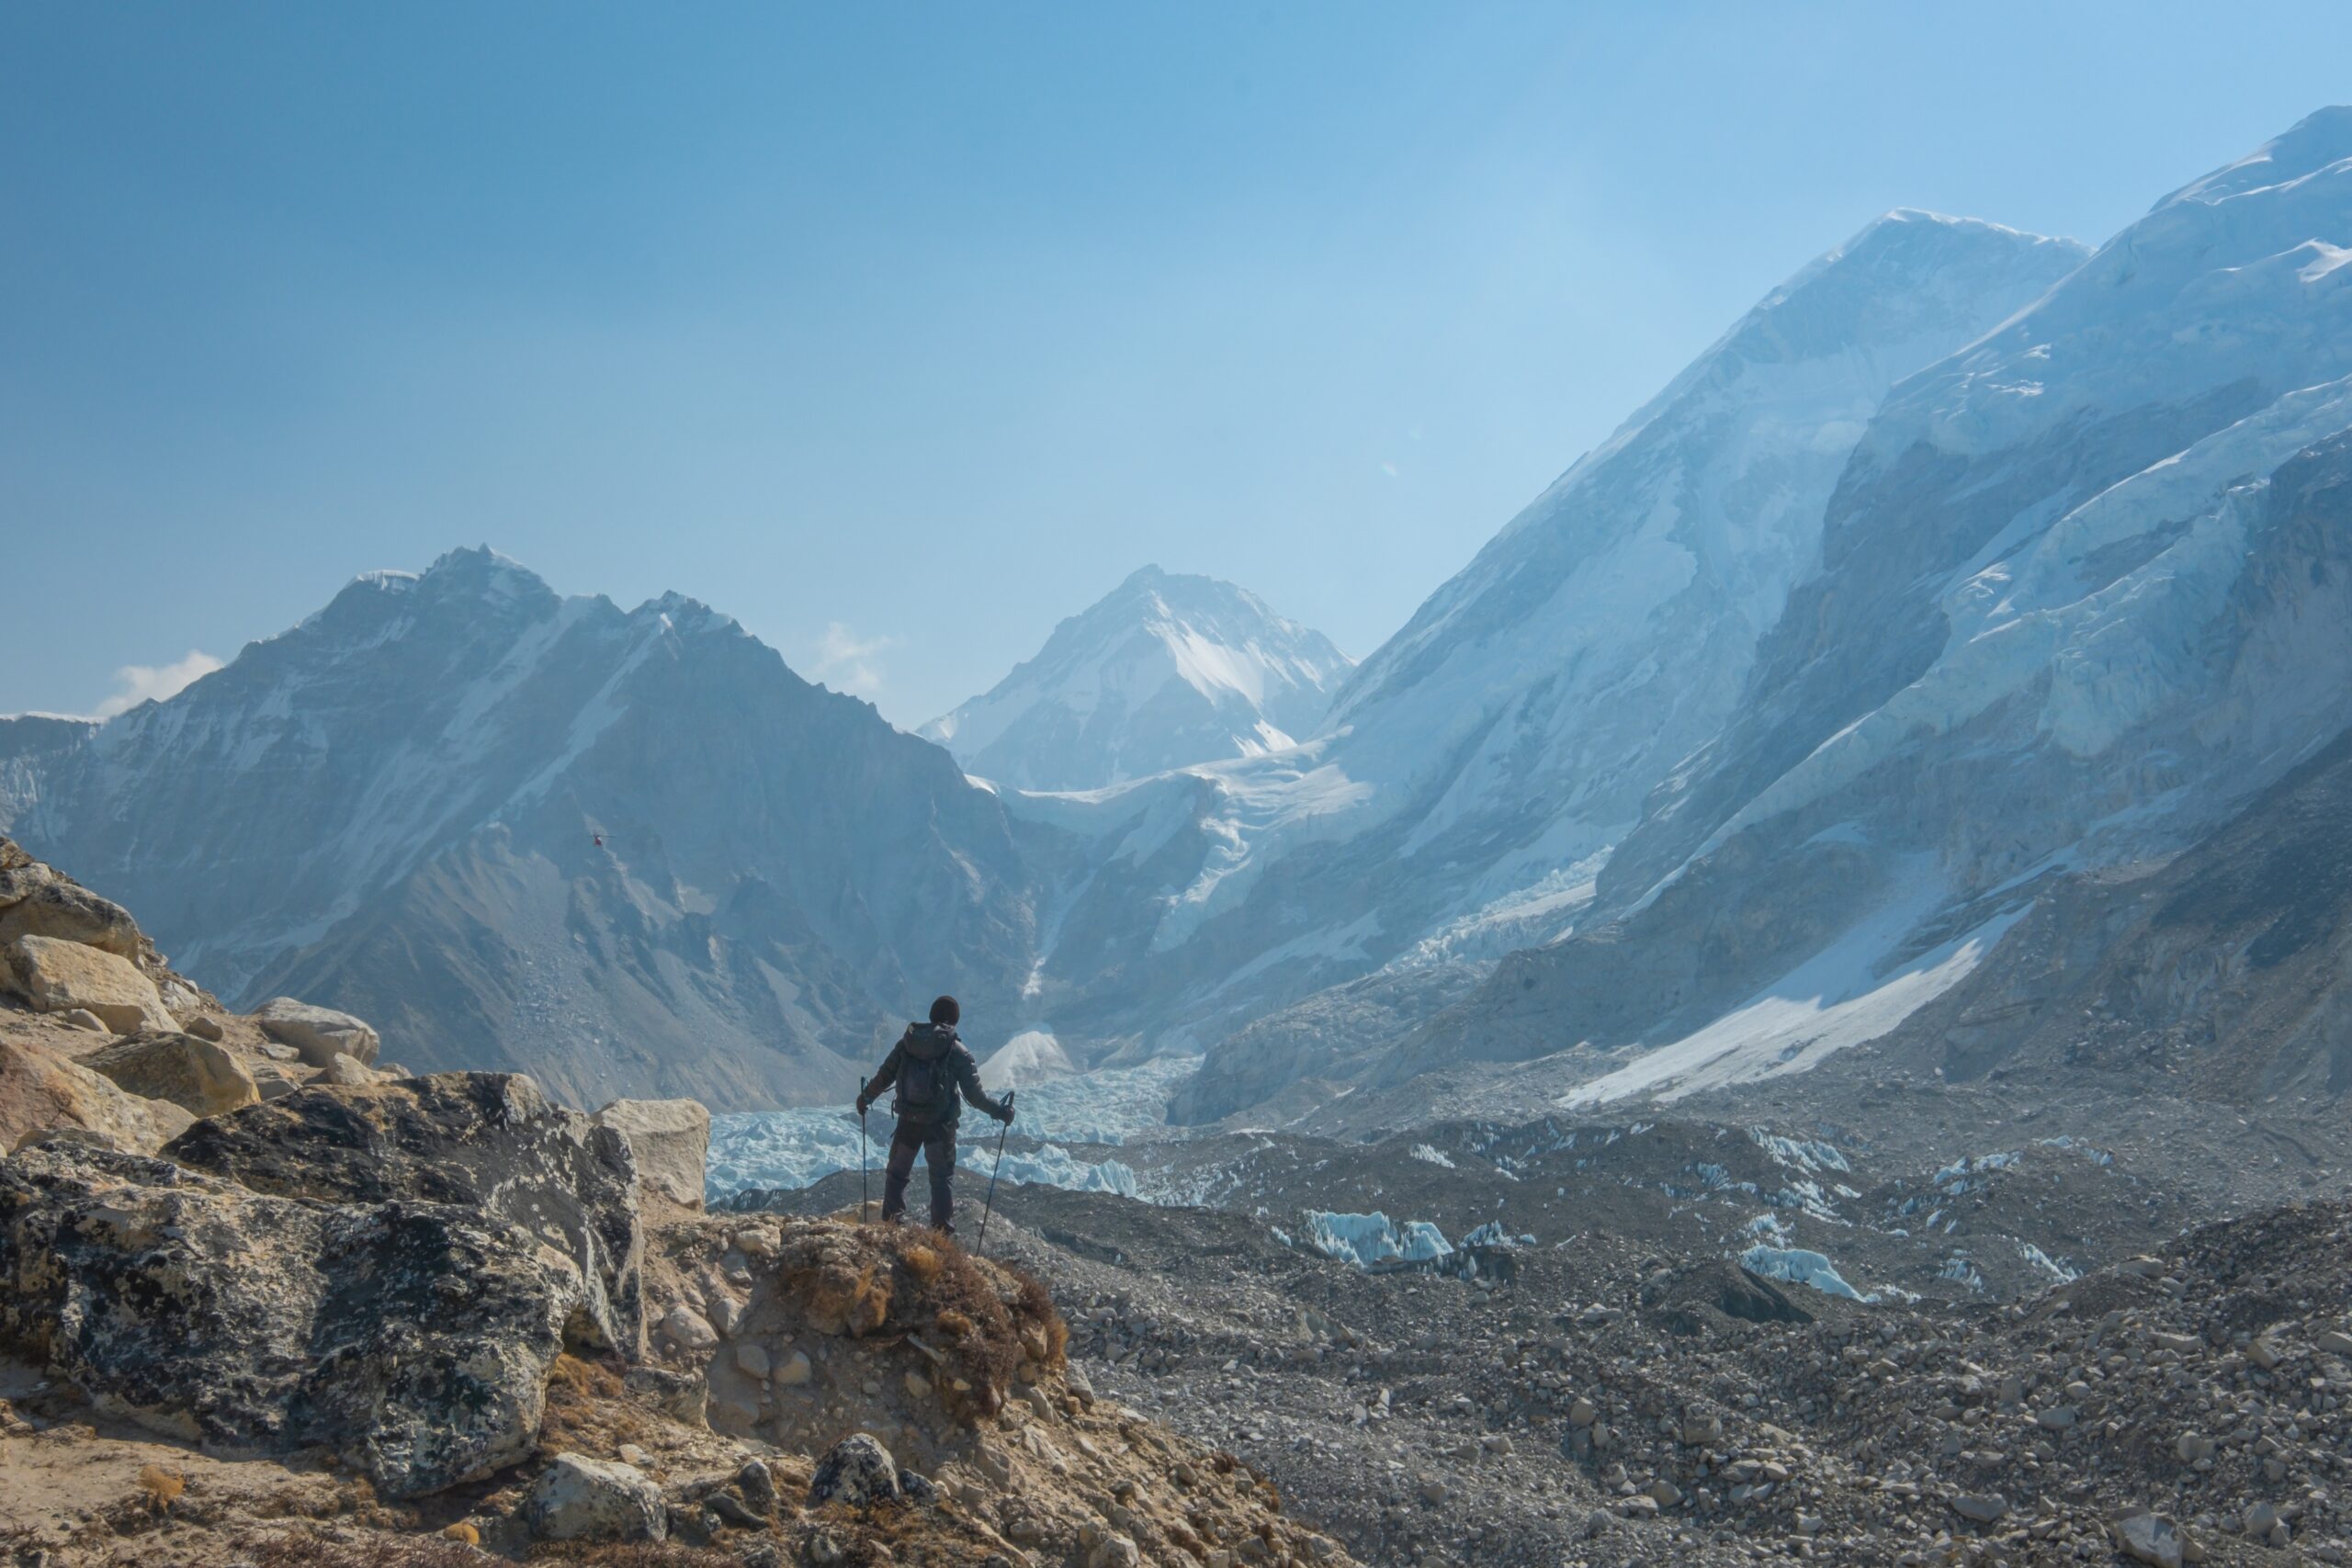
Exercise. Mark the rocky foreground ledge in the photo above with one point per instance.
(267, 1301)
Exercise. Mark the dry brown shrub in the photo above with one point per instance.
(162, 1486)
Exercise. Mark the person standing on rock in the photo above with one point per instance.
(936, 1073)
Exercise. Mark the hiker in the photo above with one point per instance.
(936, 1073)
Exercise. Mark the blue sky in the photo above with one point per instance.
(900, 332)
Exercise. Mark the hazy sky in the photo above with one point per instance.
(901, 331)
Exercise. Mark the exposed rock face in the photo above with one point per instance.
(321, 1034)
(671, 1139)
(42, 1092)
(491, 1141)
(58, 976)
(579, 1498)
(193, 1074)
(412, 1338)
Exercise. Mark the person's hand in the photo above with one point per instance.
(1004, 1114)
(863, 1104)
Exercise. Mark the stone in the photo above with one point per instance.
(2336, 1342)
(228, 1318)
(197, 1076)
(36, 901)
(2057, 1419)
(795, 1371)
(858, 1472)
(672, 1140)
(688, 1329)
(58, 976)
(83, 1017)
(918, 1386)
(2144, 1538)
(579, 1498)
(679, 1396)
(753, 1357)
(491, 1140)
(204, 1026)
(2259, 1520)
(42, 1092)
(1582, 1413)
(757, 1485)
(346, 1072)
(316, 1032)
(1663, 1493)
(2191, 1447)
(2264, 1353)
(1982, 1508)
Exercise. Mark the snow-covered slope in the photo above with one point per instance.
(1165, 670)
(1477, 767)
(2085, 587)
(395, 806)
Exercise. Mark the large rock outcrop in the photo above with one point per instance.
(489, 1141)
(412, 1338)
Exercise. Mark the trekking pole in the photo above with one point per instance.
(990, 1207)
(861, 1151)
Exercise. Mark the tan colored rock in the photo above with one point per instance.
(58, 976)
(83, 1017)
(316, 1032)
(204, 1026)
(672, 1140)
(342, 1069)
(42, 1092)
(196, 1075)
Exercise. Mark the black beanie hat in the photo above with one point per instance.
(944, 1010)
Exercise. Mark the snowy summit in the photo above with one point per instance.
(1165, 672)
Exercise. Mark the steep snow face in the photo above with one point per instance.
(1474, 768)
(396, 806)
(1166, 670)
(2085, 587)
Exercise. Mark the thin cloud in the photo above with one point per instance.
(136, 683)
(848, 662)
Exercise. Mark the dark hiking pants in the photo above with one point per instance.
(938, 1146)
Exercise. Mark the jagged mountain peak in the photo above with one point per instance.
(1166, 670)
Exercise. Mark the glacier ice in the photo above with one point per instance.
(1368, 1239)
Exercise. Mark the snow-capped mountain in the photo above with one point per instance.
(1165, 670)
(2085, 589)
(395, 808)
(1473, 769)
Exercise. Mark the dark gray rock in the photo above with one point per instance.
(491, 1141)
(412, 1339)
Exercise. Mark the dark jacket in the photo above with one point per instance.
(952, 1061)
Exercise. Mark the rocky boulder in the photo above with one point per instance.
(37, 901)
(412, 1339)
(857, 1472)
(318, 1033)
(672, 1140)
(196, 1075)
(57, 976)
(42, 1092)
(487, 1141)
(579, 1498)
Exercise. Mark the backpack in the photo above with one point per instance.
(926, 1085)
